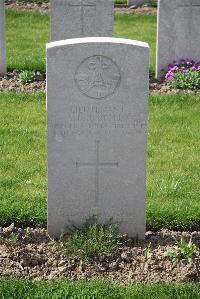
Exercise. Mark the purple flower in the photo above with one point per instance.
(169, 76)
(183, 66)
(174, 68)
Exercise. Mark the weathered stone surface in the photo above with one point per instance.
(178, 32)
(81, 18)
(2, 39)
(97, 91)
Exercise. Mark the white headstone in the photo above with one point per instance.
(2, 39)
(97, 90)
(178, 32)
(81, 18)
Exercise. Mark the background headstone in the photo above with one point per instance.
(2, 39)
(178, 32)
(97, 91)
(81, 18)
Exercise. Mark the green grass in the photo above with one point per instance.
(173, 153)
(28, 32)
(23, 289)
(121, 1)
(173, 161)
(22, 159)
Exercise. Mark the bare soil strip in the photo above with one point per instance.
(31, 253)
(10, 82)
(45, 7)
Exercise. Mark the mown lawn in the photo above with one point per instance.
(23, 154)
(173, 161)
(15, 289)
(121, 1)
(28, 32)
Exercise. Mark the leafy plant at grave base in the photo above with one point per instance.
(147, 251)
(184, 250)
(93, 239)
(153, 3)
(11, 241)
(184, 74)
(26, 77)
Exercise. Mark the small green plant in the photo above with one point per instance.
(183, 251)
(147, 251)
(152, 3)
(188, 80)
(93, 239)
(26, 77)
(11, 241)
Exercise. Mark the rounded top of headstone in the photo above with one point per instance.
(86, 40)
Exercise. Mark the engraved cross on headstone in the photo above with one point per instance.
(82, 5)
(97, 165)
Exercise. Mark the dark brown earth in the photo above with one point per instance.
(32, 253)
(44, 7)
(10, 82)
(144, 10)
(24, 6)
(162, 87)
